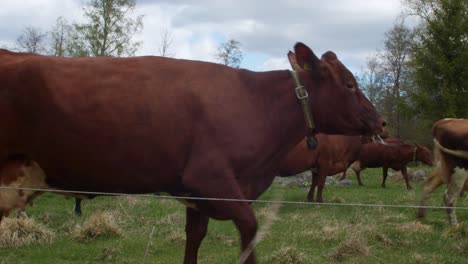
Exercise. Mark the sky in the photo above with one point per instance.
(266, 29)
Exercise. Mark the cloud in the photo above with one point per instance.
(266, 29)
(41, 14)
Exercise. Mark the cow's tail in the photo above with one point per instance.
(457, 153)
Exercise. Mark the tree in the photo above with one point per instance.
(32, 40)
(60, 37)
(439, 68)
(166, 43)
(110, 30)
(229, 53)
(395, 56)
(371, 81)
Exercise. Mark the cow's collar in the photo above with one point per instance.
(303, 98)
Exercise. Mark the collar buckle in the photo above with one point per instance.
(301, 92)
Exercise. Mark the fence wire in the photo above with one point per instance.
(192, 198)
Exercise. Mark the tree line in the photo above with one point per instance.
(421, 74)
(109, 30)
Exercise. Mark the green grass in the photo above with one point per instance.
(301, 234)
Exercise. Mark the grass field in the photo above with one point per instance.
(300, 234)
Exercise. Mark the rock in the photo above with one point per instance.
(299, 180)
(417, 175)
(329, 180)
(345, 182)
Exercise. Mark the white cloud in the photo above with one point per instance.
(351, 28)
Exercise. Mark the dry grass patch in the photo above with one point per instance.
(385, 241)
(415, 226)
(419, 258)
(171, 219)
(336, 199)
(459, 231)
(177, 234)
(331, 232)
(17, 232)
(100, 224)
(393, 218)
(287, 255)
(350, 248)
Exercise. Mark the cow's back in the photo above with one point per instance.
(452, 133)
(91, 122)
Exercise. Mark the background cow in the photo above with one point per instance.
(451, 164)
(390, 154)
(189, 128)
(334, 154)
(19, 172)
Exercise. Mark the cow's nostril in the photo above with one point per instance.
(384, 124)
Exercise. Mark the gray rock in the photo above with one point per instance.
(329, 180)
(299, 180)
(345, 182)
(417, 175)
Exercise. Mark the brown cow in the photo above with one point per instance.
(390, 154)
(191, 128)
(334, 154)
(451, 164)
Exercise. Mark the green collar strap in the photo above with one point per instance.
(303, 97)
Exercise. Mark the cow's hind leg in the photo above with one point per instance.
(343, 175)
(384, 177)
(313, 185)
(356, 167)
(195, 229)
(432, 183)
(454, 189)
(320, 186)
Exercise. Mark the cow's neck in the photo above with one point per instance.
(275, 92)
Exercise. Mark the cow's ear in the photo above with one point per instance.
(329, 56)
(306, 59)
(293, 61)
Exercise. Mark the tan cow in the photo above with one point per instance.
(451, 164)
(19, 173)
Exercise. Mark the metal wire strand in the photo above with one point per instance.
(229, 199)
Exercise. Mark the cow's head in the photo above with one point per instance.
(338, 105)
(423, 154)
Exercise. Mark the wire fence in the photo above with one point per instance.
(192, 198)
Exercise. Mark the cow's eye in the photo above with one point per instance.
(350, 85)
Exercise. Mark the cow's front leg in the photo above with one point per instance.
(405, 176)
(220, 183)
(77, 208)
(195, 229)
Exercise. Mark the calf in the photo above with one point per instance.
(334, 155)
(19, 172)
(390, 154)
(451, 164)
